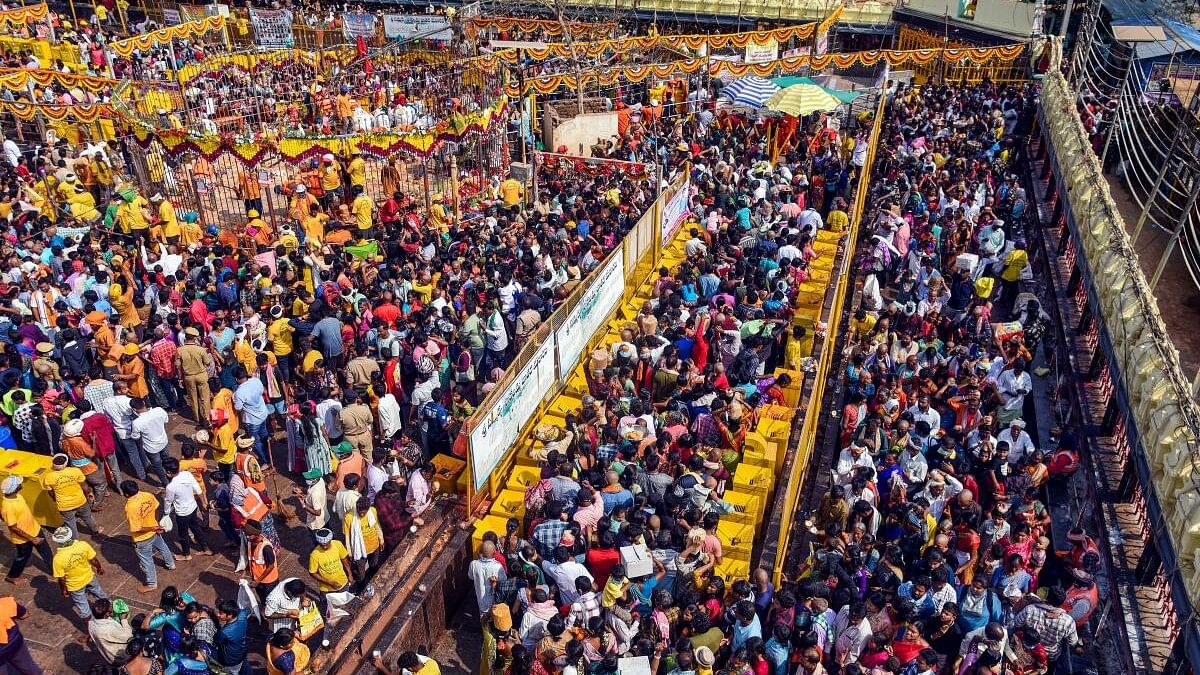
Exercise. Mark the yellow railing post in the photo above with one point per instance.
(808, 433)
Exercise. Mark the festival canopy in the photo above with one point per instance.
(751, 91)
(802, 99)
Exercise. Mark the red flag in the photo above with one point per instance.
(360, 47)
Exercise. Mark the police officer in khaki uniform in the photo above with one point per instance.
(358, 423)
(193, 362)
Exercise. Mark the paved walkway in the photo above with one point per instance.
(58, 639)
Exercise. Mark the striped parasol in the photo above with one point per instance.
(751, 91)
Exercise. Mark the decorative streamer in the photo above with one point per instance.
(547, 84)
(18, 79)
(124, 48)
(86, 112)
(297, 150)
(21, 16)
(525, 26)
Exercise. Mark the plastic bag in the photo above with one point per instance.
(247, 599)
(166, 523)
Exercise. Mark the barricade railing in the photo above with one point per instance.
(638, 256)
(812, 415)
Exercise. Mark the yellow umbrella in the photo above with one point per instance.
(802, 99)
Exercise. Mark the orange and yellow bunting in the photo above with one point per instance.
(19, 79)
(522, 26)
(87, 112)
(162, 36)
(214, 66)
(21, 16)
(295, 150)
(547, 84)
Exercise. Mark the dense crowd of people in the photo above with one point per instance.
(931, 549)
(344, 347)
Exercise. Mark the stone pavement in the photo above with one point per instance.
(58, 638)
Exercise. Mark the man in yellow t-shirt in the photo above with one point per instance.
(357, 170)
(362, 208)
(511, 191)
(361, 529)
(329, 563)
(132, 218)
(141, 512)
(314, 227)
(167, 220)
(281, 333)
(76, 566)
(331, 180)
(71, 494)
(437, 213)
(23, 530)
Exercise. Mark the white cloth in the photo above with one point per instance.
(181, 493)
(118, 410)
(389, 415)
(355, 542)
(150, 428)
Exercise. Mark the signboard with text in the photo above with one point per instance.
(272, 28)
(499, 429)
(355, 25)
(412, 26)
(761, 52)
(674, 213)
(602, 296)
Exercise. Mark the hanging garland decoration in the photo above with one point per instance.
(548, 84)
(297, 150)
(214, 66)
(522, 26)
(86, 112)
(18, 79)
(591, 167)
(16, 18)
(124, 48)
(693, 42)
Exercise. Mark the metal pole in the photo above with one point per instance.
(533, 166)
(1062, 30)
(570, 38)
(1112, 127)
(1162, 174)
(1187, 211)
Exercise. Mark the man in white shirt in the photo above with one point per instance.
(389, 412)
(117, 409)
(789, 251)
(1019, 442)
(284, 602)
(184, 499)
(330, 410)
(485, 573)
(810, 220)
(852, 630)
(149, 430)
(922, 410)
(1012, 385)
(563, 570)
(848, 462)
(695, 247)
